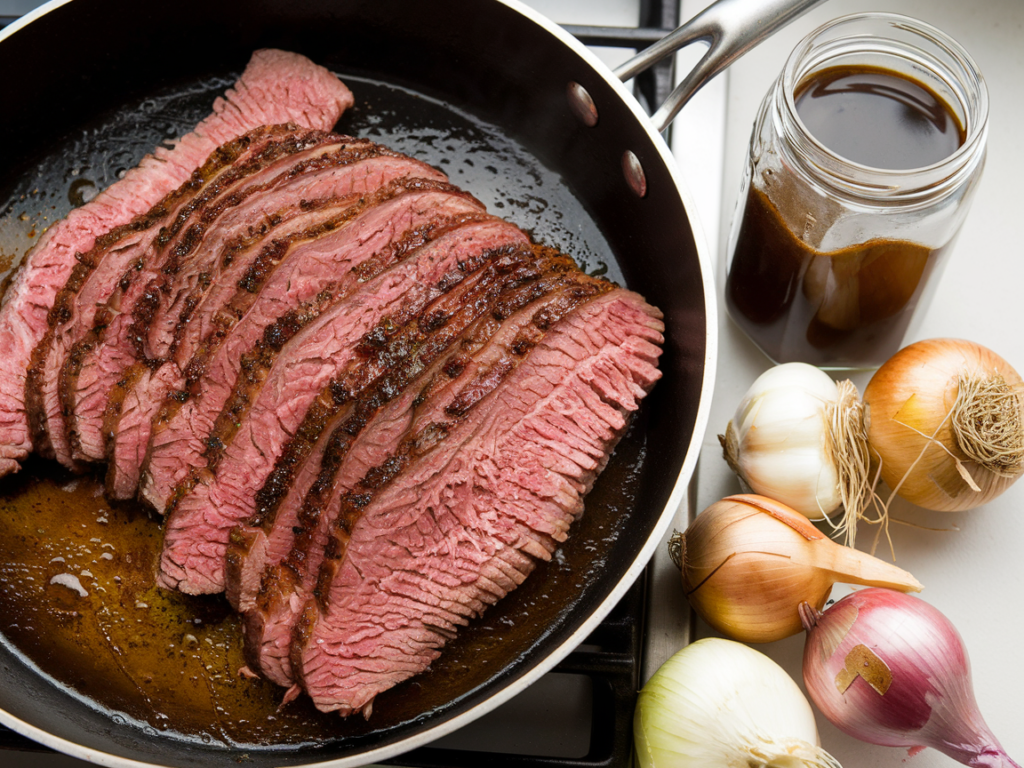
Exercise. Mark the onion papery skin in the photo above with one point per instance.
(929, 701)
(915, 390)
(748, 562)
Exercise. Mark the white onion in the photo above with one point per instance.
(719, 704)
(799, 437)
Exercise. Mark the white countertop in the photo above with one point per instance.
(974, 575)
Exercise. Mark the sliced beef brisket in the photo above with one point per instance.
(497, 256)
(459, 525)
(353, 456)
(328, 262)
(270, 401)
(95, 291)
(276, 87)
(315, 191)
(312, 185)
(97, 360)
(367, 406)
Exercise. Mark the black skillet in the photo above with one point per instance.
(500, 99)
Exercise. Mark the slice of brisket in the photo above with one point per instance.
(311, 186)
(329, 262)
(270, 401)
(315, 191)
(276, 87)
(458, 516)
(492, 345)
(248, 265)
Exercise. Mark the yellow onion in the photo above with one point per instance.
(946, 422)
(748, 563)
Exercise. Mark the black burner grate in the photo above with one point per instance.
(611, 656)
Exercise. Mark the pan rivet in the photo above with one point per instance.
(581, 104)
(634, 173)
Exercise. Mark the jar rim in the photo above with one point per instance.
(860, 180)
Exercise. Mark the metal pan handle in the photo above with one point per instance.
(730, 27)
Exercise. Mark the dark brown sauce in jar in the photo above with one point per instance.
(848, 307)
(878, 118)
(824, 308)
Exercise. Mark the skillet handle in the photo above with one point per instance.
(730, 27)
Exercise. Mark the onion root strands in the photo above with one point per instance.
(946, 422)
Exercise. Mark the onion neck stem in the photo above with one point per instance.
(790, 754)
(808, 615)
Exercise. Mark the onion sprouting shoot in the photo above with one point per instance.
(748, 562)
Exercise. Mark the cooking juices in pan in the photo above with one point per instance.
(79, 602)
(77, 593)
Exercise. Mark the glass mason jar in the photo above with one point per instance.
(830, 257)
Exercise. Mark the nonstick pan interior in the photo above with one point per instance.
(475, 89)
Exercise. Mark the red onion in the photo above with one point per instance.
(889, 669)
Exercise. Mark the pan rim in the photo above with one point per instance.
(28, 18)
(665, 519)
